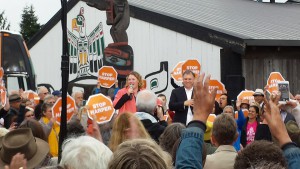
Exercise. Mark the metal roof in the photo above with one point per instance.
(243, 19)
(233, 24)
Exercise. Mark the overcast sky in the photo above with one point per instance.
(44, 10)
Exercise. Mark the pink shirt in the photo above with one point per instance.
(251, 130)
(129, 106)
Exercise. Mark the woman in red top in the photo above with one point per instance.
(125, 98)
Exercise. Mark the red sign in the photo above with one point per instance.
(211, 118)
(3, 95)
(107, 76)
(246, 94)
(56, 109)
(273, 80)
(192, 65)
(32, 96)
(1, 72)
(177, 72)
(215, 84)
(100, 106)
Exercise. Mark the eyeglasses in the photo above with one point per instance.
(30, 115)
(46, 93)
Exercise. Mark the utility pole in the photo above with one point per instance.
(64, 75)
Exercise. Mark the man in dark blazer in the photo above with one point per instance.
(181, 99)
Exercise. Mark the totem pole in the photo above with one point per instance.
(118, 54)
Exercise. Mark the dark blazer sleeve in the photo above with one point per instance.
(177, 100)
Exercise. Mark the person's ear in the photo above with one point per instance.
(213, 141)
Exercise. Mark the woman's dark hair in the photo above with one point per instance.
(256, 109)
(170, 135)
(74, 128)
(218, 110)
(36, 128)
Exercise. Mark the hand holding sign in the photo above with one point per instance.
(101, 107)
(56, 109)
(215, 84)
(273, 80)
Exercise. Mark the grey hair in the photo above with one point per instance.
(48, 97)
(85, 152)
(229, 107)
(146, 101)
(74, 93)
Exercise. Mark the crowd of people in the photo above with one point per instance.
(148, 132)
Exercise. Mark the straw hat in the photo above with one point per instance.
(22, 141)
(293, 131)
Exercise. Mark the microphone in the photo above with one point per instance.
(131, 86)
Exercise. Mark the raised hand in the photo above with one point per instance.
(18, 161)
(203, 99)
(273, 117)
(238, 104)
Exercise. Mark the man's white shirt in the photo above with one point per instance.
(189, 113)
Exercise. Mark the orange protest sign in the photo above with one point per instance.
(144, 84)
(246, 94)
(100, 106)
(176, 72)
(3, 95)
(218, 85)
(56, 109)
(273, 80)
(1, 72)
(32, 96)
(245, 112)
(211, 118)
(192, 65)
(107, 76)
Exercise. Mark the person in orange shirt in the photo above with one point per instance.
(125, 98)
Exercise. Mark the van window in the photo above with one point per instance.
(13, 57)
(15, 83)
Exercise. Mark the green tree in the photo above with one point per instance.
(29, 24)
(3, 22)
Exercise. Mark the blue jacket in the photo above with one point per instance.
(240, 123)
(189, 153)
(292, 155)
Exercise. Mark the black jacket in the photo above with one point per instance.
(154, 129)
(176, 103)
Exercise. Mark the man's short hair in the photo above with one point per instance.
(145, 101)
(85, 152)
(188, 72)
(257, 152)
(224, 129)
(140, 153)
(161, 95)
